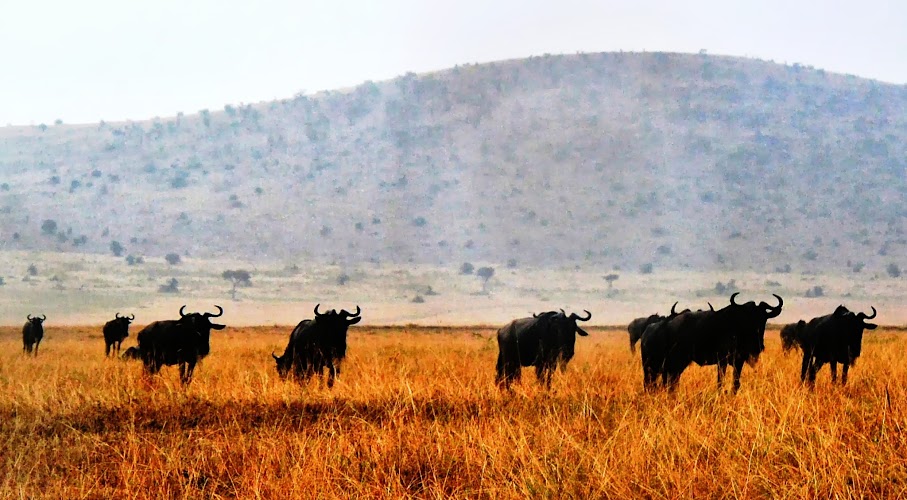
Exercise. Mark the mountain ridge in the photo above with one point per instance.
(623, 160)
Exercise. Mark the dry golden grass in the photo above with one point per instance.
(416, 413)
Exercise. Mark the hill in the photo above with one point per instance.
(631, 161)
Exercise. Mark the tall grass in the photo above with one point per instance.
(416, 413)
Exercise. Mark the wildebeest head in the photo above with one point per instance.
(202, 326)
(563, 330)
(852, 329)
(37, 322)
(750, 320)
(790, 333)
(124, 321)
(337, 324)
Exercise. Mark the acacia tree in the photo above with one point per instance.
(238, 277)
(485, 273)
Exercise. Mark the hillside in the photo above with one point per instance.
(613, 160)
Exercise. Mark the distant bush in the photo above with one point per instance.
(4, 186)
(783, 269)
(816, 291)
(325, 231)
(116, 248)
(32, 270)
(511, 263)
(173, 258)
(646, 268)
(132, 260)
(418, 299)
(178, 182)
(49, 226)
(54, 180)
(893, 270)
(420, 221)
(810, 254)
(171, 287)
(343, 279)
(724, 288)
(466, 268)
(858, 267)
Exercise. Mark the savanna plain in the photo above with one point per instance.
(416, 414)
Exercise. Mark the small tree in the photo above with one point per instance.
(116, 248)
(467, 268)
(173, 258)
(611, 278)
(485, 273)
(32, 270)
(239, 277)
(893, 270)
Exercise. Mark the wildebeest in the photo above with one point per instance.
(639, 325)
(733, 335)
(32, 333)
(544, 341)
(131, 353)
(115, 331)
(183, 341)
(316, 344)
(833, 338)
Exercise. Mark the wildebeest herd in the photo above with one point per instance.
(731, 336)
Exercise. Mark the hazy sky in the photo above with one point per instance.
(87, 60)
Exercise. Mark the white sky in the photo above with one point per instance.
(87, 60)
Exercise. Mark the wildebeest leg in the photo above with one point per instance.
(543, 373)
(844, 373)
(186, 370)
(738, 369)
(812, 370)
(722, 369)
(804, 367)
(833, 366)
(36, 348)
(118, 347)
(649, 378)
(106, 350)
(332, 372)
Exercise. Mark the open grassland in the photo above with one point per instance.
(416, 413)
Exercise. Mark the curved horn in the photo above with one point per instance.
(562, 312)
(43, 317)
(732, 298)
(579, 318)
(274, 356)
(131, 317)
(219, 314)
(316, 310)
(358, 311)
(673, 312)
(117, 315)
(710, 306)
(29, 317)
(181, 312)
(780, 302)
(863, 315)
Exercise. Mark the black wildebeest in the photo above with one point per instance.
(183, 341)
(833, 338)
(32, 333)
(316, 344)
(544, 341)
(115, 331)
(733, 335)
